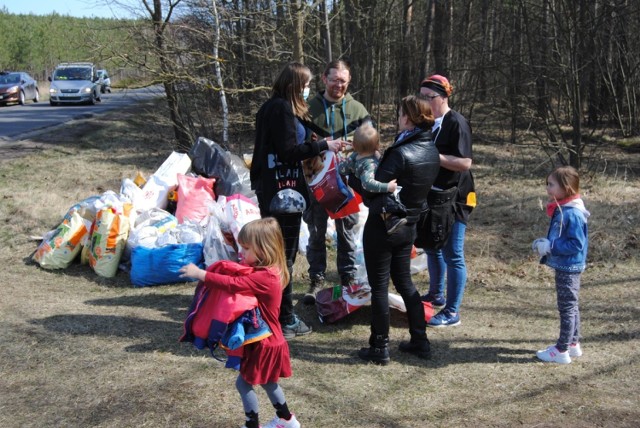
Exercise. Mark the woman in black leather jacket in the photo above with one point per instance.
(414, 162)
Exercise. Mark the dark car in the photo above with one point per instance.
(17, 87)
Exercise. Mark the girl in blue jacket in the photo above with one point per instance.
(565, 250)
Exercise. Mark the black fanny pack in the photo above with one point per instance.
(436, 222)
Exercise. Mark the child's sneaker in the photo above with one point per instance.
(552, 355)
(283, 423)
(575, 350)
(298, 328)
(444, 318)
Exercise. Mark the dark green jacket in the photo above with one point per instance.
(336, 120)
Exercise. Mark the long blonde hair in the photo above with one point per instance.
(264, 237)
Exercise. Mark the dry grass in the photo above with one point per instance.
(80, 351)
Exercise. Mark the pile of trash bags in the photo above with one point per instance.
(189, 210)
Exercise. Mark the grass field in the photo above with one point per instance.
(83, 351)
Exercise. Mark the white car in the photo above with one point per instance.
(74, 83)
(104, 81)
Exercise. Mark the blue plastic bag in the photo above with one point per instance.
(161, 265)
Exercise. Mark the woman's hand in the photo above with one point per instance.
(335, 145)
(392, 186)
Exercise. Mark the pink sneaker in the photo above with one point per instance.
(552, 355)
(282, 423)
(575, 350)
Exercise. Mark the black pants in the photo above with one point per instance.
(389, 257)
(290, 227)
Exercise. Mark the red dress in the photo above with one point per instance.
(267, 360)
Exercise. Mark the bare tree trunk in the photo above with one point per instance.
(516, 74)
(159, 25)
(326, 30)
(216, 64)
(425, 59)
(298, 30)
(440, 35)
(405, 81)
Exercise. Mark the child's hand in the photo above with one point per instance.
(392, 186)
(192, 271)
(542, 246)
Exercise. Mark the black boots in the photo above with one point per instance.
(316, 284)
(378, 352)
(420, 349)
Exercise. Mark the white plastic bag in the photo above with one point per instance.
(396, 302)
(419, 262)
(303, 242)
(215, 245)
(239, 211)
(148, 226)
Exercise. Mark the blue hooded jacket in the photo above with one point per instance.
(569, 238)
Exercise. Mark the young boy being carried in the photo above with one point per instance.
(363, 162)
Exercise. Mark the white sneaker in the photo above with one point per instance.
(575, 350)
(552, 355)
(282, 423)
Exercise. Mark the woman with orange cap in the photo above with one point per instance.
(452, 134)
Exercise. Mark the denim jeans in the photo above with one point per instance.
(316, 218)
(449, 260)
(389, 257)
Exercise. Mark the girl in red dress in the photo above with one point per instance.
(264, 362)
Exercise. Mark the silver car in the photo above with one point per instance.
(74, 82)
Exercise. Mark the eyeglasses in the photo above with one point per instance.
(338, 82)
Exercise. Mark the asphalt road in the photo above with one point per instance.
(17, 122)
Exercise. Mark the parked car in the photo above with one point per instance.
(74, 82)
(17, 87)
(104, 81)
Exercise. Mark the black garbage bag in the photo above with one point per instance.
(210, 160)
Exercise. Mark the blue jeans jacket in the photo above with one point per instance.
(569, 239)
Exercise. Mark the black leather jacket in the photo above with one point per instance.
(414, 161)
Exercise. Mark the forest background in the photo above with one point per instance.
(542, 82)
(560, 74)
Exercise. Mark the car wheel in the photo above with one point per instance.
(37, 97)
(92, 99)
(21, 99)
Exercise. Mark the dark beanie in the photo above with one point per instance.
(438, 84)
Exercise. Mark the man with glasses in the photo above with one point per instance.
(335, 114)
